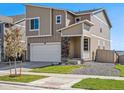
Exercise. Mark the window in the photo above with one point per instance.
(86, 27)
(34, 24)
(58, 19)
(77, 19)
(86, 44)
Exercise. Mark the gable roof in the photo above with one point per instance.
(6, 19)
(17, 18)
(84, 21)
(92, 11)
(87, 11)
(106, 16)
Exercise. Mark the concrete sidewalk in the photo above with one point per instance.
(75, 76)
(59, 81)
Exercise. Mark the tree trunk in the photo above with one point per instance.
(20, 67)
(15, 67)
(10, 67)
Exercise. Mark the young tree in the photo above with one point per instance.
(13, 45)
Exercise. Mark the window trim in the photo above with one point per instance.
(60, 19)
(88, 39)
(77, 18)
(30, 24)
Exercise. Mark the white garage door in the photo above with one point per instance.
(49, 52)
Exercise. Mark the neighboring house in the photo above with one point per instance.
(55, 34)
(6, 22)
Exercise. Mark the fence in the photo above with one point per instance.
(108, 56)
(121, 59)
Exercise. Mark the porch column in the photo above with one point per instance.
(82, 46)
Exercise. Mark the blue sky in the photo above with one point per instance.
(115, 13)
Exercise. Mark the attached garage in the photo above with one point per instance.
(45, 52)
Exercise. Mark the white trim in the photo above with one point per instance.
(39, 36)
(82, 47)
(31, 18)
(60, 19)
(88, 39)
(47, 43)
(19, 21)
(38, 24)
(70, 35)
(51, 22)
(87, 21)
(98, 10)
(100, 37)
(100, 20)
(77, 18)
(66, 18)
(82, 14)
(56, 43)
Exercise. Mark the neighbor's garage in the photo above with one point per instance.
(48, 52)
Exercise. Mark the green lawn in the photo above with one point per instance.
(57, 69)
(121, 68)
(23, 78)
(100, 84)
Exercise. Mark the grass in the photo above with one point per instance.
(100, 84)
(121, 68)
(57, 69)
(23, 78)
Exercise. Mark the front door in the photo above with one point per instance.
(86, 54)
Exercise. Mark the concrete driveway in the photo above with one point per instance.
(26, 65)
(97, 68)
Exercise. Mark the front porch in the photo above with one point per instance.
(76, 48)
(76, 41)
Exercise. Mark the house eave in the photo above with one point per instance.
(84, 21)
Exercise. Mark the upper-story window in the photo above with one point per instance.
(77, 19)
(58, 19)
(34, 24)
(87, 27)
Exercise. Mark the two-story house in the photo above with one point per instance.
(56, 34)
